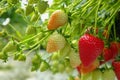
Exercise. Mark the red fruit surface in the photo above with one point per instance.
(107, 54)
(90, 47)
(116, 66)
(114, 48)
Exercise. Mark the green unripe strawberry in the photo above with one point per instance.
(68, 69)
(32, 1)
(22, 57)
(34, 17)
(108, 75)
(2, 55)
(30, 30)
(97, 75)
(10, 47)
(42, 6)
(87, 76)
(55, 63)
(54, 69)
(29, 9)
(71, 78)
(67, 62)
(16, 56)
(61, 67)
(44, 66)
(55, 56)
(36, 61)
(12, 1)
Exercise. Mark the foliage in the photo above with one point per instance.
(26, 32)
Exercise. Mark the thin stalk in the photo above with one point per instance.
(17, 32)
(96, 16)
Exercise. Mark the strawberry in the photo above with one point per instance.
(108, 75)
(44, 66)
(107, 54)
(55, 42)
(90, 47)
(90, 68)
(79, 68)
(97, 75)
(87, 76)
(29, 9)
(65, 51)
(74, 59)
(114, 48)
(57, 19)
(119, 46)
(76, 78)
(116, 66)
(30, 30)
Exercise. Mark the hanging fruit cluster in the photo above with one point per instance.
(82, 35)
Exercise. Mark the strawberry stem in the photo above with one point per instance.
(96, 16)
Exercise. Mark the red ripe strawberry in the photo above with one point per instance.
(107, 54)
(84, 70)
(89, 68)
(55, 42)
(119, 46)
(114, 48)
(116, 66)
(78, 68)
(57, 19)
(90, 47)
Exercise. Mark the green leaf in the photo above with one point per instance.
(42, 6)
(12, 1)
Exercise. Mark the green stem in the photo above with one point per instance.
(37, 45)
(29, 38)
(17, 32)
(96, 16)
(114, 12)
(115, 33)
(33, 49)
(114, 6)
(86, 7)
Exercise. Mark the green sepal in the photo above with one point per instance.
(42, 6)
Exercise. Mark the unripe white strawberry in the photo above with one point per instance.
(55, 42)
(74, 58)
(57, 19)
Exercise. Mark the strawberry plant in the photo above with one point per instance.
(81, 35)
